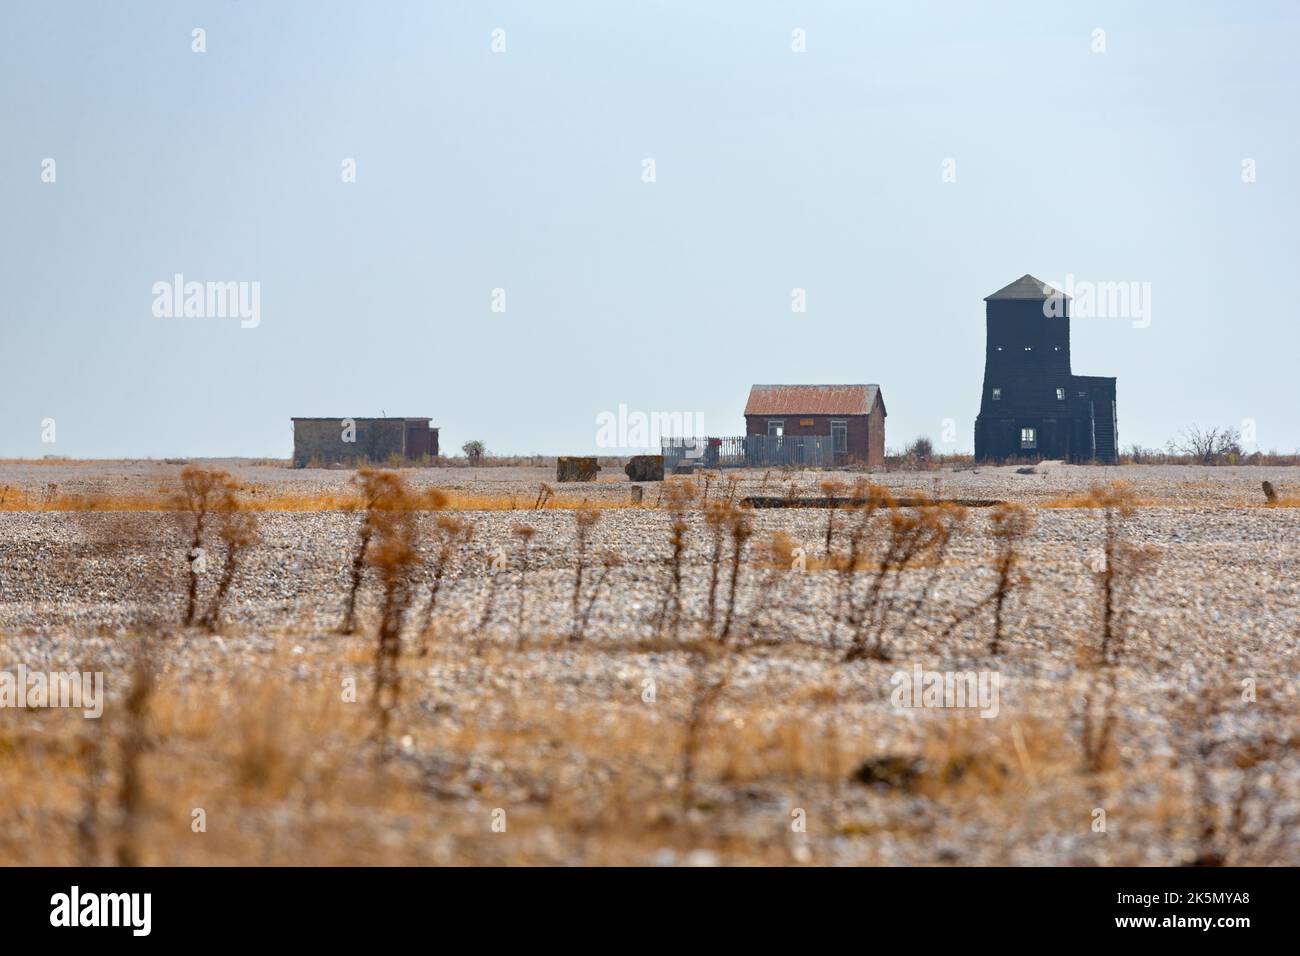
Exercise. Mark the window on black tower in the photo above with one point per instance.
(1028, 438)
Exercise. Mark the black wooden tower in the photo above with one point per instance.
(1033, 406)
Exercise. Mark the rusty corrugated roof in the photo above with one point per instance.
(811, 399)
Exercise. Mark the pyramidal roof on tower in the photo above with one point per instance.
(1026, 287)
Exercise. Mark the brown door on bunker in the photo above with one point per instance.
(417, 441)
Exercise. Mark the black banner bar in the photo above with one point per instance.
(333, 906)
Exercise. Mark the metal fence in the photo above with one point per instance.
(749, 451)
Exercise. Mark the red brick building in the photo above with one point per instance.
(853, 415)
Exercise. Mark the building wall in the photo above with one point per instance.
(1101, 399)
(1027, 379)
(876, 444)
(377, 441)
(421, 441)
(1080, 428)
(1059, 437)
(866, 433)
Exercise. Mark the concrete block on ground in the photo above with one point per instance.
(575, 468)
(645, 468)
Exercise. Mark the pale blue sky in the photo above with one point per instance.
(522, 170)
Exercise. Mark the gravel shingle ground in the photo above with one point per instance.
(562, 736)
